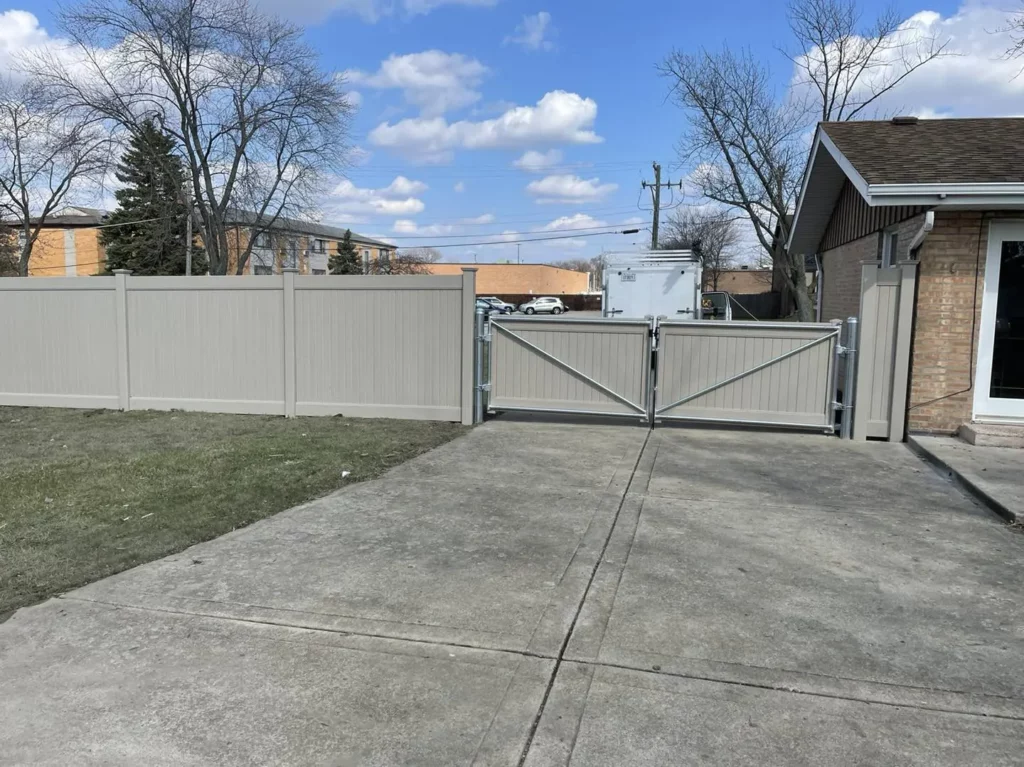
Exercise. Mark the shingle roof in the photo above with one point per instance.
(235, 216)
(970, 151)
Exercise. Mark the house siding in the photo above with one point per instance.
(852, 219)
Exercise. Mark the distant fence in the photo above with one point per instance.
(756, 306)
(391, 346)
(576, 302)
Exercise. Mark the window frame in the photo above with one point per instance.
(890, 247)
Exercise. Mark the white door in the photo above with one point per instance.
(999, 386)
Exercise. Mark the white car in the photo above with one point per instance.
(543, 305)
(497, 303)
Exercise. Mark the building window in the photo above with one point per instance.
(366, 261)
(260, 269)
(319, 246)
(263, 240)
(319, 271)
(890, 247)
(292, 257)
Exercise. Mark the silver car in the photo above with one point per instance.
(543, 305)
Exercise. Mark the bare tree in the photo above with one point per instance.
(260, 124)
(47, 152)
(1015, 28)
(421, 255)
(403, 262)
(710, 232)
(846, 66)
(746, 143)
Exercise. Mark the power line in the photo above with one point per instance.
(502, 234)
(536, 239)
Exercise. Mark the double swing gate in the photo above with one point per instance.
(758, 373)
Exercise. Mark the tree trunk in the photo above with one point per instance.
(798, 284)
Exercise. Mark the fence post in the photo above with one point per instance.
(124, 400)
(468, 307)
(901, 352)
(289, 340)
(478, 371)
(837, 354)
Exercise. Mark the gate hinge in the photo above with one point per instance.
(484, 387)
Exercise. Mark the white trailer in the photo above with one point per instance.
(662, 283)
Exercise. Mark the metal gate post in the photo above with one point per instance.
(849, 393)
(478, 370)
(837, 354)
(652, 366)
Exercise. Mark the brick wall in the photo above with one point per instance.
(520, 279)
(744, 281)
(842, 267)
(840, 288)
(951, 281)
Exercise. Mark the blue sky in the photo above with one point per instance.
(452, 93)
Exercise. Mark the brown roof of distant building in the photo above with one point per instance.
(973, 151)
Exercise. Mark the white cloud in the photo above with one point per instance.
(486, 218)
(434, 81)
(569, 189)
(396, 199)
(460, 187)
(533, 161)
(355, 99)
(533, 33)
(577, 221)
(370, 11)
(978, 80)
(559, 117)
(407, 226)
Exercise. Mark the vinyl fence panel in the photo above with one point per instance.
(58, 342)
(379, 346)
(393, 346)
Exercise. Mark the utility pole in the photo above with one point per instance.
(656, 199)
(519, 260)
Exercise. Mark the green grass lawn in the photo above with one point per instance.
(85, 494)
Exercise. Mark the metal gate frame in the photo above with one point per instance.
(641, 409)
(831, 334)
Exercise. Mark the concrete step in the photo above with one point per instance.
(993, 434)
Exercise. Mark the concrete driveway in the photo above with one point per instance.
(547, 594)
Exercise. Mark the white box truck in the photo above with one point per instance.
(661, 283)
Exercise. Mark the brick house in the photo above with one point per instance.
(69, 245)
(519, 279)
(948, 195)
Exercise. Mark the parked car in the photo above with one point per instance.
(487, 307)
(542, 305)
(499, 306)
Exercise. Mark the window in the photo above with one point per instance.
(890, 247)
(263, 240)
(319, 271)
(292, 258)
(260, 269)
(319, 246)
(366, 261)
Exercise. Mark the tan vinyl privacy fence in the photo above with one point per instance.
(392, 346)
(883, 356)
(598, 366)
(777, 374)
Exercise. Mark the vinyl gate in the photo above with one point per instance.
(769, 374)
(569, 365)
(759, 373)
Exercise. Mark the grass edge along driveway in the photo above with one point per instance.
(86, 494)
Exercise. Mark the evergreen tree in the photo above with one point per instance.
(346, 260)
(148, 231)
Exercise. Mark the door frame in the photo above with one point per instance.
(986, 407)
